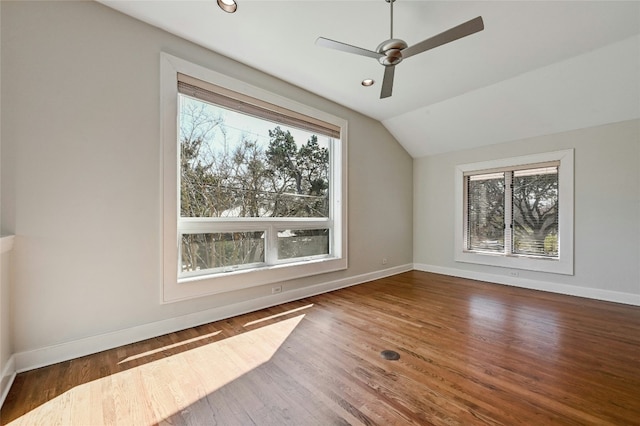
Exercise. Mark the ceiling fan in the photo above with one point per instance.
(391, 52)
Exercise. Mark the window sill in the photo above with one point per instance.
(206, 285)
(529, 263)
(264, 268)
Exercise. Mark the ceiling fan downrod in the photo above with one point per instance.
(391, 26)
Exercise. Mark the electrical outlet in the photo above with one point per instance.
(276, 290)
(384, 260)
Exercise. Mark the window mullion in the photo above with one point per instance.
(271, 246)
(508, 213)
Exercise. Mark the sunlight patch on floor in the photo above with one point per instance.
(167, 347)
(149, 393)
(281, 314)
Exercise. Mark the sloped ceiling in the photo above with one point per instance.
(539, 67)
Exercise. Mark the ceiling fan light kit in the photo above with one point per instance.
(393, 51)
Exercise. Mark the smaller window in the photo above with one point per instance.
(301, 243)
(513, 212)
(517, 213)
(221, 252)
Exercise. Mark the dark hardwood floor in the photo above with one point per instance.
(470, 353)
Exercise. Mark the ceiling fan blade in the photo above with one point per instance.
(387, 82)
(332, 44)
(452, 34)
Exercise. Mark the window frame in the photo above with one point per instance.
(175, 288)
(563, 264)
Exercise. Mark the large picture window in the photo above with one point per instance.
(517, 213)
(256, 186)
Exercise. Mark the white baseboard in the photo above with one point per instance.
(8, 376)
(41, 357)
(590, 293)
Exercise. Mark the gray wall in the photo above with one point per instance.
(81, 174)
(607, 210)
(6, 344)
(6, 349)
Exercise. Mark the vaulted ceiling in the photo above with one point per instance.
(539, 67)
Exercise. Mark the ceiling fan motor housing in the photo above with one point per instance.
(392, 51)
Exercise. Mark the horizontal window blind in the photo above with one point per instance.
(535, 212)
(485, 212)
(513, 210)
(247, 105)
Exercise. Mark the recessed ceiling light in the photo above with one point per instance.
(368, 82)
(229, 6)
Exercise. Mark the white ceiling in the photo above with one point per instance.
(539, 67)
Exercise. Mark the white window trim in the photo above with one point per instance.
(563, 264)
(174, 290)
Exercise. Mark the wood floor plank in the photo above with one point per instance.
(470, 353)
